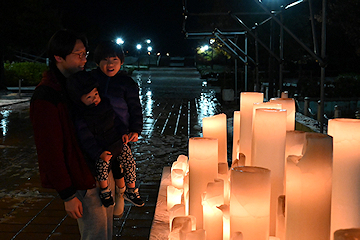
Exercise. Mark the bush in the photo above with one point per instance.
(29, 72)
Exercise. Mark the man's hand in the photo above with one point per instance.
(74, 208)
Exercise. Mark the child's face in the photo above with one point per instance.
(110, 66)
(91, 97)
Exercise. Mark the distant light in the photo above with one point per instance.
(293, 4)
(149, 48)
(204, 48)
(167, 54)
(212, 41)
(138, 46)
(158, 54)
(148, 41)
(119, 41)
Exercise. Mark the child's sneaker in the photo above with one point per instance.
(106, 198)
(133, 196)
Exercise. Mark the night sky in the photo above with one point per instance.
(159, 20)
(134, 21)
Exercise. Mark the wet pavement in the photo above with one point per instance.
(174, 101)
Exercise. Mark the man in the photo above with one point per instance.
(61, 163)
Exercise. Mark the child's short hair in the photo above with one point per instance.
(108, 49)
(62, 44)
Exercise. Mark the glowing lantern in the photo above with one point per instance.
(215, 127)
(268, 151)
(289, 105)
(175, 211)
(173, 196)
(203, 168)
(236, 136)
(308, 190)
(247, 100)
(212, 215)
(177, 178)
(250, 202)
(345, 202)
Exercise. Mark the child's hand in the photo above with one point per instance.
(106, 156)
(133, 137)
(125, 138)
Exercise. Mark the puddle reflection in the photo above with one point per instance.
(148, 109)
(207, 105)
(4, 123)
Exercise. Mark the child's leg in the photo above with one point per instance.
(102, 171)
(127, 161)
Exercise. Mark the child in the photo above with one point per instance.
(123, 93)
(101, 135)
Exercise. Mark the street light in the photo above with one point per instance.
(149, 49)
(138, 47)
(120, 41)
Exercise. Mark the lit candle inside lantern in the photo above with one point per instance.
(198, 234)
(308, 190)
(345, 203)
(236, 135)
(247, 100)
(215, 127)
(177, 178)
(347, 234)
(176, 211)
(203, 168)
(250, 202)
(268, 151)
(289, 105)
(173, 196)
(212, 215)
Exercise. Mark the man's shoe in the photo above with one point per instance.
(106, 198)
(134, 197)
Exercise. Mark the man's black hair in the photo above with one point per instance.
(62, 44)
(108, 49)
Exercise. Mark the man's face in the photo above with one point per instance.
(110, 66)
(91, 97)
(75, 61)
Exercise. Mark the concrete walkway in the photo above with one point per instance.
(174, 102)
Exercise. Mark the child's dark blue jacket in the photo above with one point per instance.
(123, 93)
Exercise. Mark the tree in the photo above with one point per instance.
(25, 26)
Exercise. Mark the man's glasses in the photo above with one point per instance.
(82, 55)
